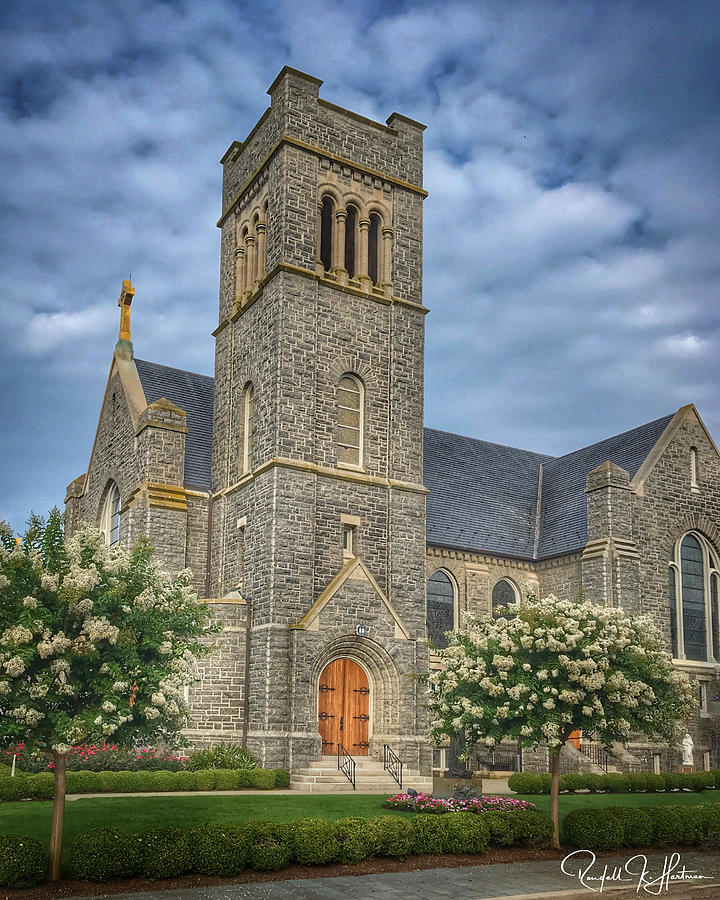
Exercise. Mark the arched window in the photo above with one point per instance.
(504, 593)
(374, 248)
(248, 427)
(110, 524)
(440, 607)
(326, 232)
(693, 596)
(350, 399)
(351, 227)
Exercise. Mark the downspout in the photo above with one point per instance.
(208, 545)
(246, 688)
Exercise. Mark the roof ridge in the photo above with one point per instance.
(468, 437)
(610, 437)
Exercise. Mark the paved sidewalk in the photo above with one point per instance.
(510, 881)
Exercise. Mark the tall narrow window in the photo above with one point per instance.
(440, 607)
(111, 515)
(248, 427)
(693, 598)
(693, 468)
(503, 594)
(693, 595)
(373, 248)
(350, 420)
(326, 233)
(350, 239)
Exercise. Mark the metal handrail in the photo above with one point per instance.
(596, 755)
(346, 764)
(393, 764)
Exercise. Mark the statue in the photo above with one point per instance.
(687, 749)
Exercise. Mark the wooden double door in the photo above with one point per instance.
(344, 708)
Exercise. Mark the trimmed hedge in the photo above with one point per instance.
(211, 849)
(650, 826)
(23, 861)
(42, 786)
(616, 782)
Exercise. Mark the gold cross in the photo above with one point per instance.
(124, 301)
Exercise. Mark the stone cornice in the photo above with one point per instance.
(280, 462)
(310, 148)
(375, 296)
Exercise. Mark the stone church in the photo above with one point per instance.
(333, 534)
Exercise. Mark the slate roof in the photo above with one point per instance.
(483, 497)
(563, 525)
(194, 394)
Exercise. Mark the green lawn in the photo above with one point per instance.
(138, 813)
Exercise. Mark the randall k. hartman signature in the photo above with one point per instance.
(595, 875)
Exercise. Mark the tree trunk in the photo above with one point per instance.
(58, 816)
(554, 795)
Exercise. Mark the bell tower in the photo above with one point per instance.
(318, 518)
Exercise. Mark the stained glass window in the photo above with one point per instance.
(440, 607)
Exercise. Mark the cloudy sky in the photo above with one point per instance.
(571, 232)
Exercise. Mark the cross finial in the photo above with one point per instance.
(124, 300)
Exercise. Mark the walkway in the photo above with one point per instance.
(512, 881)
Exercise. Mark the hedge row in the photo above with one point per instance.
(647, 826)
(42, 786)
(615, 782)
(225, 850)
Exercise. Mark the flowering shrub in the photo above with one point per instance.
(426, 803)
(99, 758)
(96, 642)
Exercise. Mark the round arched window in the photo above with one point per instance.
(111, 515)
(504, 593)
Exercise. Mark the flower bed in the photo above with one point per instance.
(99, 758)
(426, 803)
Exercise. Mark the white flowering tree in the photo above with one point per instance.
(549, 667)
(95, 643)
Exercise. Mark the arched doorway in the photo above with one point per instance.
(344, 708)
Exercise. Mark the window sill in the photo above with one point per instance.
(351, 467)
(695, 664)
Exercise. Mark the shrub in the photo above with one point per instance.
(529, 783)
(224, 755)
(356, 839)
(572, 782)
(107, 782)
(431, 834)
(702, 780)
(655, 783)
(501, 827)
(165, 852)
(672, 781)
(467, 833)
(186, 781)
(245, 778)
(637, 782)
(83, 783)
(5, 770)
(672, 825)
(594, 782)
(14, 788)
(282, 778)
(23, 860)
(314, 842)
(526, 829)
(226, 779)
(41, 786)
(218, 849)
(593, 829)
(104, 854)
(159, 781)
(130, 782)
(394, 836)
(204, 780)
(637, 825)
(269, 846)
(263, 779)
(617, 783)
(709, 820)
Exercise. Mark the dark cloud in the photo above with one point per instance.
(571, 232)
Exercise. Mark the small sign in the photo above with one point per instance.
(361, 630)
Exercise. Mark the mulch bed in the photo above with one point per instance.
(67, 888)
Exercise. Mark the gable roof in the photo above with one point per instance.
(563, 521)
(482, 496)
(194, 394)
